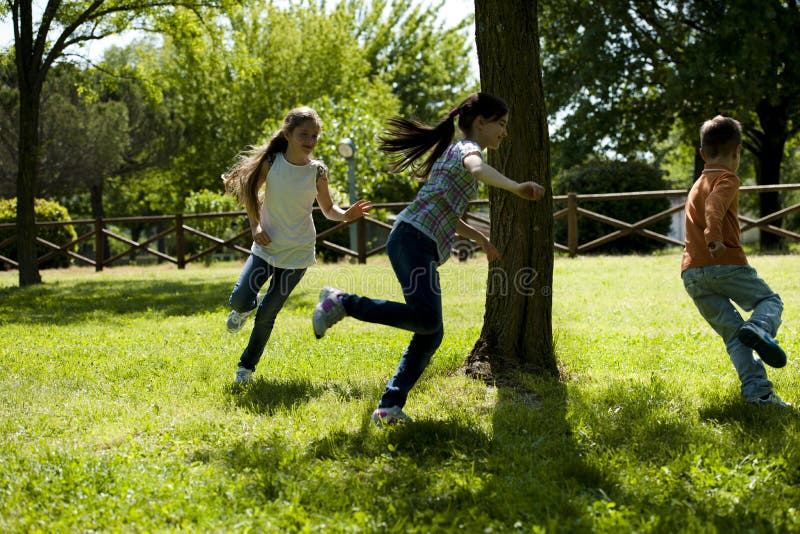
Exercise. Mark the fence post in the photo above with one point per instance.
(99, 244)
(361, 234)
(180, 246)
(572, 224)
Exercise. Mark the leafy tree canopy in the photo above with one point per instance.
(619, 75)
(230, 80)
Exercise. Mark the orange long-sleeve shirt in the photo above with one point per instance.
(712, 214)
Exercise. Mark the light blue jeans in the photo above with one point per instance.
(713, 290)
(254, 275)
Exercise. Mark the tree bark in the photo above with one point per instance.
(773, 120)
(517, 328)
(30, 88)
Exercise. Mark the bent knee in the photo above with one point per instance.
(431, 327)
(239, 303)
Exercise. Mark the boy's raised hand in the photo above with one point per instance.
(530, 190)
(358, 209)
(716, 248)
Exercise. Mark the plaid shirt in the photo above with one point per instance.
(444, 198)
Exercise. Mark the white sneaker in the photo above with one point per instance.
(770, 400)
(236, 320)
(328, 311)
(243, 375)
(389, 416)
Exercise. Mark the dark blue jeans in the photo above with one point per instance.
(415, 260)
(255, 274)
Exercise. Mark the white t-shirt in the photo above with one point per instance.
(286, 215)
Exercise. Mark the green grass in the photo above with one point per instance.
(117, 412)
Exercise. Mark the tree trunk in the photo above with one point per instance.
(517, 328)
(29, 103)
(773, 120)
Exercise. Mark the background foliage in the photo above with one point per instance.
(151, 122)
(46, 210)
(165, 115)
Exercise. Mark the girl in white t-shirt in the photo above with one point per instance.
(277, 184)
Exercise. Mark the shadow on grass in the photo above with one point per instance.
(267, 395)
(681, 468)
(753, 419)
(637, 455)
(539, 468)
(422, 440)
(73, 302)
(527, 467)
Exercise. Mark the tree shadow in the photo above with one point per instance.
(518, 464)
(536, 466)
(81, 301)
(536, 462)
(428, 440)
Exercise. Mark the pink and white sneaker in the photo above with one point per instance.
(328, 311)
(389, 416)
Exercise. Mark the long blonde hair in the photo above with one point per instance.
(243, 177)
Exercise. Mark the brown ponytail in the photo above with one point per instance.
(408, 141)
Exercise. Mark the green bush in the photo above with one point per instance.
(45, 210)
(614, 177)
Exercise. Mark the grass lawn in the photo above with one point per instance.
(117, 411)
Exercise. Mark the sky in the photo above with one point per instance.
(453, 12)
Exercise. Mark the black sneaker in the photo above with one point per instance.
(767, 348)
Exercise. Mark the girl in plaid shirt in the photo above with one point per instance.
(425, 231)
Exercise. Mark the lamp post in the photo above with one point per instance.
(347, 149)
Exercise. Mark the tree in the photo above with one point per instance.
(236, 77)
(9, 100)
(407, 47)
(620, 74)
(83, 140)
(517, 328)
(35, 52)
(232, 79)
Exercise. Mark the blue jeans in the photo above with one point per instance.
(712, 289)
(255, 273)
(414, 259)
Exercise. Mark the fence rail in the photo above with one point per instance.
(180, 226)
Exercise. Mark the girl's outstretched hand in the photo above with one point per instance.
(530, 190)
(358, 209)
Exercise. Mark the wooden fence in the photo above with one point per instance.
(179, 227)
(573, 211)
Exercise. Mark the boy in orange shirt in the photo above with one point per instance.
(715, 270)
